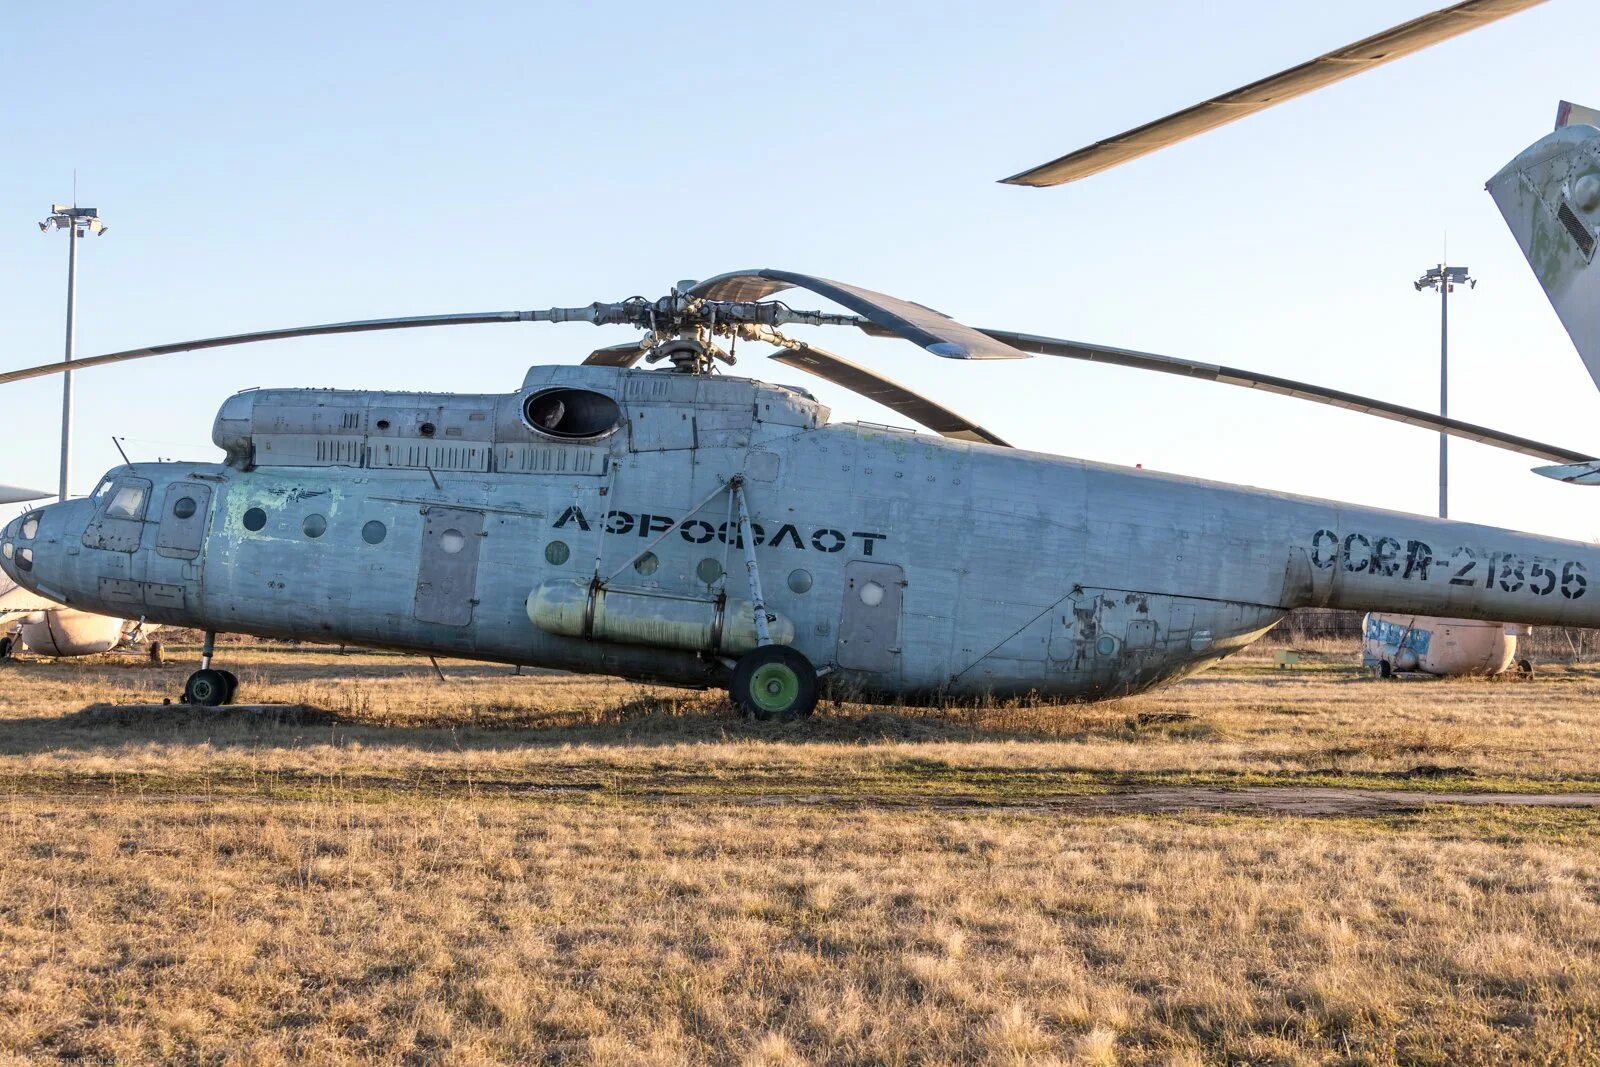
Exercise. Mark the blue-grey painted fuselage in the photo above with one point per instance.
(902, 565)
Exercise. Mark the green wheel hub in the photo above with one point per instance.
(774, 687)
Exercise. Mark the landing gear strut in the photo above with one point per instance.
(207, 687)
(771, 681)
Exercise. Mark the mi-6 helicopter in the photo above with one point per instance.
(688, 527)
(684, 526)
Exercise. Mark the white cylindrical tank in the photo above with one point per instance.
(65, 632)
(575, 608)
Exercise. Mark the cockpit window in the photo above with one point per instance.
(571, 414)
(102, 489)
(127, 502)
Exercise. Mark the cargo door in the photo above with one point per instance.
(869, 620)
(447, 572)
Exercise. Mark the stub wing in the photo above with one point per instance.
(1573, 473)
(16, 601)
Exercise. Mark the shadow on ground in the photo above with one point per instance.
(643, 720)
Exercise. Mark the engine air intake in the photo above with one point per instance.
(571, 414)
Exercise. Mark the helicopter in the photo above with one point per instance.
(673, 523)
(684, 526)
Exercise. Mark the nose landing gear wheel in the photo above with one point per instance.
(208, 689)
(774, 682)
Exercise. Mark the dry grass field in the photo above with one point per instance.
(1257, 866)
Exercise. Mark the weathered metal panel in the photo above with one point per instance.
(447, 572)
(306, 450)
(588, 460)
(660, 427)
(184, 515)
(419, 453)
(869, 619)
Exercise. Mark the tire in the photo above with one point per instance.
(157, 652)
(1385, 669)
(7, 646)
(233, 685)
(1525, 668)
(206, 689)
(774, 682)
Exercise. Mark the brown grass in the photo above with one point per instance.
(553, 869)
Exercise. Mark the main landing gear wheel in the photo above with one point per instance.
(207, 688)
(7, 646)
(774, 682)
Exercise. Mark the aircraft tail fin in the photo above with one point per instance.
(1550, 197)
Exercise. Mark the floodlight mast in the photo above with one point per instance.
(1444, 278)
(76, 221)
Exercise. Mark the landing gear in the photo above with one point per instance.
(1525, 669)
(7, 646)
(774, 682)
(207, 687)
(1385, 669)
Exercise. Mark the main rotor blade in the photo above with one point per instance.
(361, 326)
(1123, 357)
(13, 494)
(858, 379)
(937, 332)
(1315, 74)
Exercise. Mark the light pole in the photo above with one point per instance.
(1444, 279)
(77, 221)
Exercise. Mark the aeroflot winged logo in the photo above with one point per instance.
(699, 531)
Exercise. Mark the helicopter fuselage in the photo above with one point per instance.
(586, 523)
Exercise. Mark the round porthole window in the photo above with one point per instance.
(427, 429)
(183, 507)
(314, 526)
(452, 541)
(799, 581)
(374, 532)
(709, 570)
(871, 594)
(30, 527)
(1106, 646)
(556, 553)
(255, 519)
(646, 564)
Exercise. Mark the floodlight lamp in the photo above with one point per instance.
(44, 227)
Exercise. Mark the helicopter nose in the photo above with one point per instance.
(26, 541)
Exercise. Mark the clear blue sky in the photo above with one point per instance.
(274, 165)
